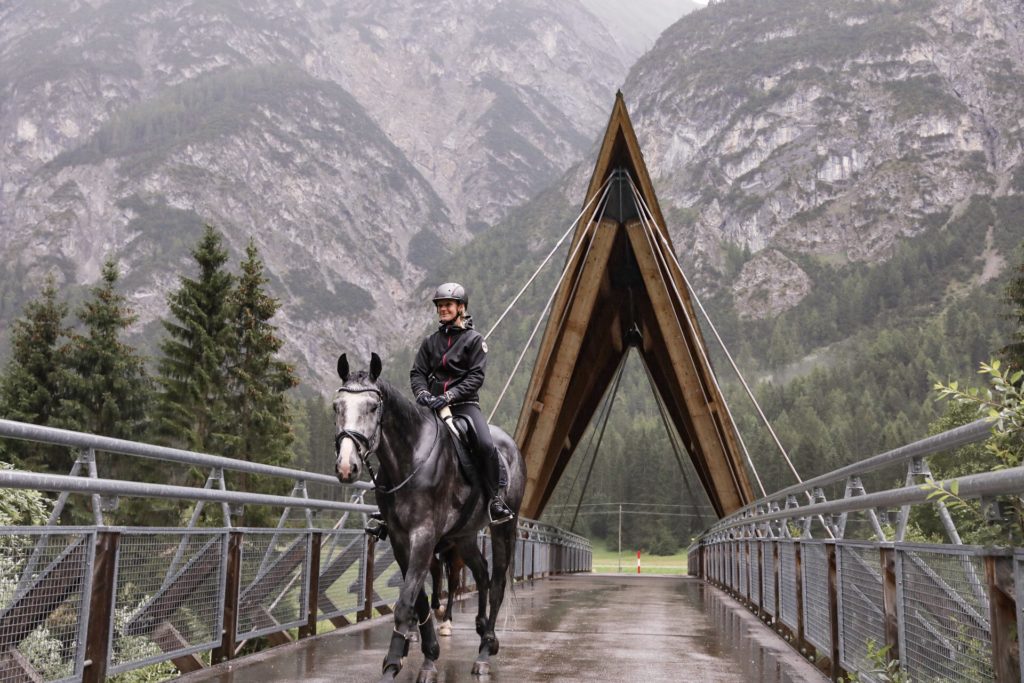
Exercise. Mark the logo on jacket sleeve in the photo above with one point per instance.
(483, 345)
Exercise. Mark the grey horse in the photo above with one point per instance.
(427, 504)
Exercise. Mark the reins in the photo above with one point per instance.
(362, 443)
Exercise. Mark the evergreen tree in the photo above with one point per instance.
(192, 410)
(107, 388)
(30, 387)
(1013, 352)
(258, 380)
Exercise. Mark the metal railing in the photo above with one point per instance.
(938, 612)
(83, 603)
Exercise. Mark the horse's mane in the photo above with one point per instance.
(398, 405)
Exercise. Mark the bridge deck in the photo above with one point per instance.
(577, 627)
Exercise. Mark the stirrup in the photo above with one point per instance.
(504, 514)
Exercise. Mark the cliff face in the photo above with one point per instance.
(357, 144)
(834, 129)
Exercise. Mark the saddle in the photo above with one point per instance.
(465, 439)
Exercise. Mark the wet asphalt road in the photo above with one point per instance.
(567, 628)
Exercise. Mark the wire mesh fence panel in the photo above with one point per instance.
(817, 624)
(768, 577)
(387, 576)
(169, 595)
(944, 626)
(742, 565)
(274, 582)
(787, 584)
(730, 565)
(861, 606)
(44, 597)
(754, 573)
(342, 573)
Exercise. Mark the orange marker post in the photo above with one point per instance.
(637, 561)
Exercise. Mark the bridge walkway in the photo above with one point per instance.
(583, 627)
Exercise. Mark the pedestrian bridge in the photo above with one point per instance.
(796, 586)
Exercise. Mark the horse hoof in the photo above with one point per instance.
(445, 629)
(427, 676)
(481, 668)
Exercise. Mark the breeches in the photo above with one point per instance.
(484, 442)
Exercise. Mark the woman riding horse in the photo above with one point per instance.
(424, 500)
(449, 371)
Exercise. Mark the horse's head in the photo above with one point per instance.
(357, 416)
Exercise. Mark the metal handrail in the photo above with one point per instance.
(117, 487)
(759, 510)
(64, 437)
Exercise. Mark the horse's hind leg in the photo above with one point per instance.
(474, 559)
(435, 581)
(503, 540)
(453, 568)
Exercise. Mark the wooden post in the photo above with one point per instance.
(833, 610)
(101, 607)
(367, 611)
(229, 632)
(1003, 617)
(313, 599)
(776, 571)
(889, 603)
(801, 644)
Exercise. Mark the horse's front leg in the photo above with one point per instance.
(412, 609)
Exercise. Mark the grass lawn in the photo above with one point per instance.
(607, 561)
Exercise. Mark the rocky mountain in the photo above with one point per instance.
(357, 142)
(636, 26)
(837, 130)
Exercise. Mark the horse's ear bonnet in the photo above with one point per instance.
(343, 367)
(375, 367)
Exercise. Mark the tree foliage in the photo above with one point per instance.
(192, 403)
(30, 389)
(258, 381)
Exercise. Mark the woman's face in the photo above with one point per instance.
(447, 310)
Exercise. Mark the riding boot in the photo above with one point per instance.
(498, 511)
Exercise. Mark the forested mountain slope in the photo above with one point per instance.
(844, 184)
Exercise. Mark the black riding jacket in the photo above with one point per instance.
(452, 360)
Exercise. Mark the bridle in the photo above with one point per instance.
(363, 447)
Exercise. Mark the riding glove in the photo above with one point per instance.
(437, 402)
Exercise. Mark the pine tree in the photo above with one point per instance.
(1013, 352)
(30, 387)
(258, 380)
(192, 410)
(107, 388)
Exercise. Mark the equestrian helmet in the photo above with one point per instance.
(453, 291)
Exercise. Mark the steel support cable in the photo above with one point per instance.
(725, 349)
(601, 192)
(647, 227)
(572, 487)
(648, 234)
(544, 311)
(732, 362)
(675, 439)
(600, 437)
(590, 444)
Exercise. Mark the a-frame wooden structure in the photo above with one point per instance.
(620, 281)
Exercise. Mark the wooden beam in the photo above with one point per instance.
(554, 381)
